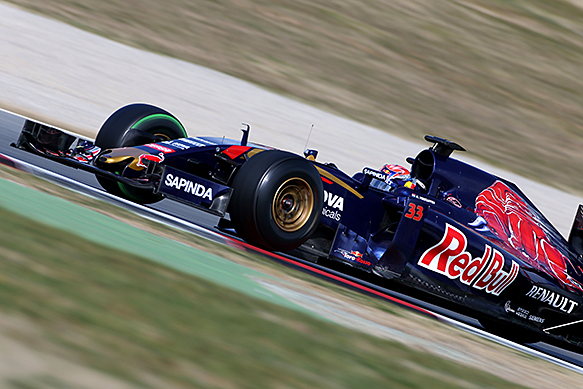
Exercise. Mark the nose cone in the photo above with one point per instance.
(127, 156)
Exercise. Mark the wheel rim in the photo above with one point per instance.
(163, 136)
(293, 204)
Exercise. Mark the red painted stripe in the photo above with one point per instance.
(235, 151)
(5, 160)
(239, 244)
(161, 148)
(327, 181)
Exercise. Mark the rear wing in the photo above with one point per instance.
(576, 234)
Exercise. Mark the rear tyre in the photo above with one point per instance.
(277, 200)
(133, 125)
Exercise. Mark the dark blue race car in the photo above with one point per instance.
(459, 235)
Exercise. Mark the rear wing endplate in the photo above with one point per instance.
(576, 234)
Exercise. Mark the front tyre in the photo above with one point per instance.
(277, 200)
(133, 125)
(137, 124)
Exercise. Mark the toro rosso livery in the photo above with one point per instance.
(447, 229)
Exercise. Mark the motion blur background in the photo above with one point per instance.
(502, 78)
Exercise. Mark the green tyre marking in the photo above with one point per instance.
(159, 116)
(124, 189)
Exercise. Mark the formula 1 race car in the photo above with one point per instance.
(456, 233)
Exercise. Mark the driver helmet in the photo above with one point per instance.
(396, 175)
(395, 171)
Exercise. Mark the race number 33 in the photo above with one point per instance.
(415, 212)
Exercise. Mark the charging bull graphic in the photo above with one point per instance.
(149, 157)
(511, 219)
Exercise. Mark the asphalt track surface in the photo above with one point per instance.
(203, 224)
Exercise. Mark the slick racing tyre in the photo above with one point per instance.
(277, 200)
(133, 125)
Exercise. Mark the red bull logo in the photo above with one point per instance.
(512, 220)
(450, 258)
(149, 157)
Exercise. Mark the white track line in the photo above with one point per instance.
(188, 225)
(41, 172)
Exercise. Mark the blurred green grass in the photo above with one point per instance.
(502, 78)
(144, 323)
